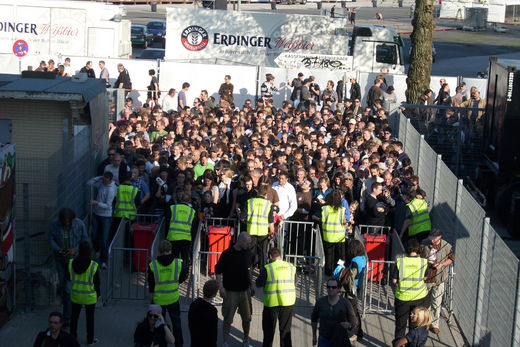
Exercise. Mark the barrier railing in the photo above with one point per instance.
(128, 266)
(447, 299)
(195, 262)
(379, 293)
(302, 246)
(374, 229)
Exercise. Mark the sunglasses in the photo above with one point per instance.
(156, 316)
(332, 287)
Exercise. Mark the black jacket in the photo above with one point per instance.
(64, 339)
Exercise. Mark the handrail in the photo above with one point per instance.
(156, 240)
(320, 251)
(121, 226)
(195, 263)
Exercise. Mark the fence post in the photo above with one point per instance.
(436, 183)
(481, 282)
(460, 185)
(421, 140)
(408, 124)
(27, 248)
(516, 322)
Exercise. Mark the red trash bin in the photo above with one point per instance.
(219, 238)
(375, 245)
(143, 239)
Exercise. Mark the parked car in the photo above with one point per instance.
(158, 30)
(141, 36)
(152, 53)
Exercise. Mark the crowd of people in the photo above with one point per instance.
(317, 157)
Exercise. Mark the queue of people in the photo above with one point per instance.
(337, 166)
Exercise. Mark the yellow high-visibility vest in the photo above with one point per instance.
(258, 216)
(420, 220)
(411, 272)
(333, 223)
(125, 202)
(280, 288)
(180, 222)
(82, 290)
(166, 291)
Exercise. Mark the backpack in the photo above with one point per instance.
(347, 279)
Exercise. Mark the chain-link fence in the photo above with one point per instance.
(44, 186)
(454, 132)
(486, 288)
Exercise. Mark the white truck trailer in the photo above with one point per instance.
(280, 40)
(64, 28)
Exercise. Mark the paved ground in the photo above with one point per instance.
(116, 322)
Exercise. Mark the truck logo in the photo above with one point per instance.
(194, 38)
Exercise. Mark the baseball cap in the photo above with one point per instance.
(214, 149)
(154, 308)
(300, 74)
(352, 121)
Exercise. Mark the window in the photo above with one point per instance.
(386, 54)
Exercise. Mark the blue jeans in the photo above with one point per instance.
(174, 310)
(101, 235)
(323, 342)
(64, 286)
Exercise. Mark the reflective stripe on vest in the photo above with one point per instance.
(125, 204)
(180, 223)
(258, 216)
(166, 291)
(420, 219)
(333, 224)
(82, 289)
(280, 288)
(412, 271)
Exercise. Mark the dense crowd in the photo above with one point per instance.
(318, 157)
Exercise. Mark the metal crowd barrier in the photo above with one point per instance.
(204, 260)
(376, 290)
(302, 245)
(195, 263)
(374, 229)
(447, 299)
(379, 293)
(126, 279)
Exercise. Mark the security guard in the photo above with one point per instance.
(417, 219)
(260, 224)
(165, 276)
(126, 205)
(183, 223)
(279, 281)
(125, 199)
(410, 291)
(334, 225)
(84, 290)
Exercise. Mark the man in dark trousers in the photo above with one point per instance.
(183, 223)
(260, 224)
(279, 281)
(234, 276)
(165, 275)
(203, 318)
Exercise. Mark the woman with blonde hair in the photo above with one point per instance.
(417, 336)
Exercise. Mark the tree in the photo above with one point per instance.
(421, 56)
